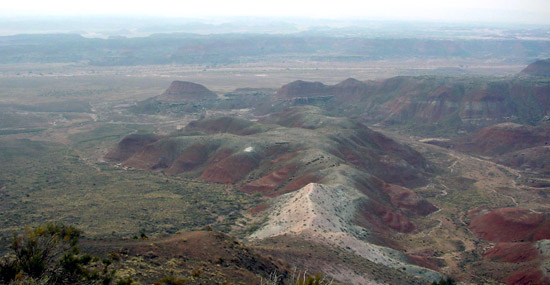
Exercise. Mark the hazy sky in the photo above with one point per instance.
(524, 11)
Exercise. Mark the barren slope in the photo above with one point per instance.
(325, 214)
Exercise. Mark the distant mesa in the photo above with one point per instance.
(512, 252)
(184, 91)
(300, 88)
(537, 68)
(348, 89)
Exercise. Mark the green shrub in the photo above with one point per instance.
(125, 281)
(449, 281)
(49, 254)
(171, 280)
(8, 271)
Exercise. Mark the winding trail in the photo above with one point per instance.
(436, 227)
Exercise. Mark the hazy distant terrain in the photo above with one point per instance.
(224, 49)
(150, 41)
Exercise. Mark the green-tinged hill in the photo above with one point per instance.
(303, 157)
(317, 142)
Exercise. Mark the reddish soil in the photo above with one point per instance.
(377, 216)
(270, 182)
(258, 209)
(515, 230)
(500, 139)
(155, 155)
(290, 118)
(353, 158)
(382, 157)
(129, 145)
(408, 201)
(220, 155)
(284, 157)
(534, 159)
(512, 252)
(230, 169)
(509, 225)
(423, 261)
(395, 220)
(529, 276)
(189, 159)
(300, 182)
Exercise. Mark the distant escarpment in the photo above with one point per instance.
(429, 105)
(537, 68)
